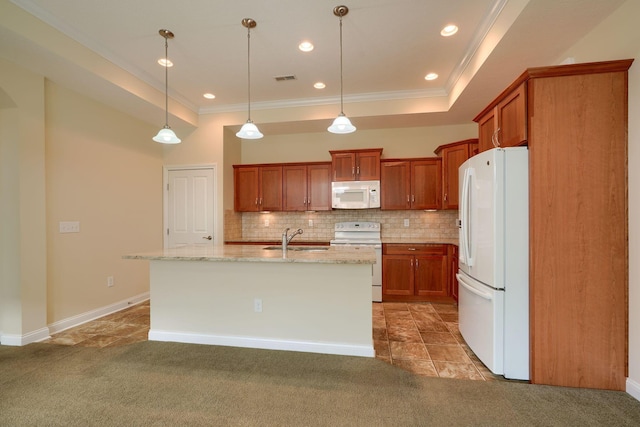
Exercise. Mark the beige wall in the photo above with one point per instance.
(22, 204)
(396, 143)
(103, 170)
(618, 37)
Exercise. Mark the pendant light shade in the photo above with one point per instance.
(166, 135)
(341, 124)
(249, 130)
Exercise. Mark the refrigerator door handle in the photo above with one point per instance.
(473, 290)
(465, 209)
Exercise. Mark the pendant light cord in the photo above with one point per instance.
(341, 100)
(249, 71)
(166, 82)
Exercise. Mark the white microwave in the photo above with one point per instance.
(355, 194)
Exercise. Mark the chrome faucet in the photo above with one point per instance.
(286, 239)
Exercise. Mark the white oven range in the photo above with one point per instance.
(363, 233)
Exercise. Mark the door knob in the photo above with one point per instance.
(208, 238)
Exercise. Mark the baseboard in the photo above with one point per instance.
(633, 388)
(268, 344)
(88, 316)
(20, 340)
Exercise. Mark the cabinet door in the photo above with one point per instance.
(246, 194)
(343, 166)
(270, 188)
(368, 166)
(426, 179)
(319, 187)
(294, 188)
(452, 158)
(397, 275)
(453, 262)
(395, 185)
(486, 131)
(431, 276)
(512, 118)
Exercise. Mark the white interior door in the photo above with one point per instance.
(189, 214)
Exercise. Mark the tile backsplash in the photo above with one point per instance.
(319, 225)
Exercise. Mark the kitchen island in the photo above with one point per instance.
(313, 300)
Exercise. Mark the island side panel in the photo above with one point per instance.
(322, 308)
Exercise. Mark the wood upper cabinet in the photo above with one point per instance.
(257, 188)
(415, 272)
(411, 183)
(453, 155)
(355, 165)
(504, 122)
(306, 187)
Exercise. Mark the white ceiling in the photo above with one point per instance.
(109, 50)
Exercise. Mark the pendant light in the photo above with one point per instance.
(249, 130)
(166, 135)
(341, 124)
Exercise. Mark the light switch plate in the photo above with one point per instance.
(406, 222)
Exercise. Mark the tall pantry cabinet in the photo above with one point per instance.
(576, 130)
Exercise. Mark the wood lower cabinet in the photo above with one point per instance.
(306, 187)
(453, 156)
(356, 165)
(411, 184)
(415, 273)
(257, 188)
(453, 264)
(504, 123)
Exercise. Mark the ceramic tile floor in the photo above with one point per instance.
(422, 338)
(121, 328)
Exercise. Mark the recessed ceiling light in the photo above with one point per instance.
(449, 30)
(431, 76)
(319, 85)
(305, 46)
(209, 95)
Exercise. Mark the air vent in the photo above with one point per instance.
(284, 78)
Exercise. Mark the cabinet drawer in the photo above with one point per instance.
(417, 249)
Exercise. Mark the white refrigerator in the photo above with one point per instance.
(493, 276)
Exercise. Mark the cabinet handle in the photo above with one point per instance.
(413, 198)
(256, 201)
(260, 201)
(445, 197)
(408, 200)
(358, 170)
(353, 170)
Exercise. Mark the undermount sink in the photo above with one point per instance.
(298, 248)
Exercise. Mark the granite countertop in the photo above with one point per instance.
(420, 240)
(294, 242)
(256, 253)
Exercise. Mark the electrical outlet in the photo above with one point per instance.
(109, 281)
(406, 222)
(257, 305)
(310, 223)
(266, 222)
(69, 226)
